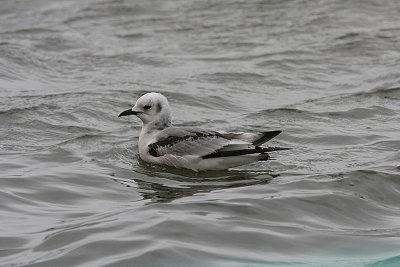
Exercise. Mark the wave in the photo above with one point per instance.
(387, 262)
(390, 93)
(16, 110)
(33, 30)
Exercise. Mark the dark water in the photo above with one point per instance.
(74, 193)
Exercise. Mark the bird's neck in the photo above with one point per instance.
(155, 126)
(151, 129)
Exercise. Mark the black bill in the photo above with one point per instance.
(129, 112)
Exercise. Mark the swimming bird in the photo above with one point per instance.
(193, 148)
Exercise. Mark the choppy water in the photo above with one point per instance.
(74, 193)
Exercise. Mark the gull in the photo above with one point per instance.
(191, 147)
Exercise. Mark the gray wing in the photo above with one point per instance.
(187, 141)
(210, 144)
(256, 139)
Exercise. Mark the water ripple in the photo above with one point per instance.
(74, 192)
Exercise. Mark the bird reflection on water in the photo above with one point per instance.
(160, 183)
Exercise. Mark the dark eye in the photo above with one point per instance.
(147, 107)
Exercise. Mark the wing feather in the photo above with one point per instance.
(178, 142)
(187, 141)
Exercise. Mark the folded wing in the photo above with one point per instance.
(209, 144)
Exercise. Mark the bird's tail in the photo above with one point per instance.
(266, 136)
(242, 152)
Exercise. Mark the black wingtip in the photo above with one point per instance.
(276, 148)
(266, 137)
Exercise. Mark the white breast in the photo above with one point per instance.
(145, 139)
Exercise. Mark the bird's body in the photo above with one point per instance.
(193, 148)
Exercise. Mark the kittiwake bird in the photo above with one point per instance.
(193, 148)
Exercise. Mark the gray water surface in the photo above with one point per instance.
(73, 191)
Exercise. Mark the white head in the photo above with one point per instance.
(152, 109)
